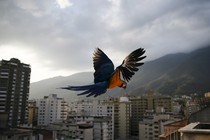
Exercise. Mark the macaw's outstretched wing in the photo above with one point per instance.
(130, 63)
(90, 90)
(103, 66)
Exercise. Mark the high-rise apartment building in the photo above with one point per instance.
(148, 102)
(32, 113)
(103, 109)
(101, 128)
(83, 127)
(97, 108)
(71, 130)
(155, 101)
(152, 126)
(14, 90)
(138, 107)
(122, 116)
(51, 109)
(82, 106)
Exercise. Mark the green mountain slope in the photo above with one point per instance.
(178, 74)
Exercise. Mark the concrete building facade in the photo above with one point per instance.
(51, 109)
(101, 128)
(122, 116)
(96, 108)
(14, 90)
(148, 102)
(72, 130)
(83, 127)
(32, 113)
(138, 107)
(195, 131)
(101, 108)
(152, 126)
(171, 130)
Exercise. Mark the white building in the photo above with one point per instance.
(101, 108)
(123, 117)
(51, 109)
(82, 107)
(72, 130)
(152, 125)
(83, 127)
(96, 108)
(101, 128)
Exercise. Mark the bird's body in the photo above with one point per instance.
(105, 77)
(115, 80)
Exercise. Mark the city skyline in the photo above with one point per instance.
(58, 37)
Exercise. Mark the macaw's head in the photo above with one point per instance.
(123, 85)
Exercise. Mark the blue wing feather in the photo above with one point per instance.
(103, 66)
(90, 90)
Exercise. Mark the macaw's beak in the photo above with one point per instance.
(124, 85)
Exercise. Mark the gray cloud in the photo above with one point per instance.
(67, 37)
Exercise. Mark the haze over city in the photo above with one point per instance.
(58, 37)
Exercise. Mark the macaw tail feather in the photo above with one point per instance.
(89, 90)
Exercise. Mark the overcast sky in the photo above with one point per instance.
(58, 37)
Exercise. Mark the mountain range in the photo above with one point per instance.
(181, 73)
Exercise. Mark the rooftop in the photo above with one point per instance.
(196, 127)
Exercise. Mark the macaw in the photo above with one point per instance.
(106, 77)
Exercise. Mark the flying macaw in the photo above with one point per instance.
(105, 77)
